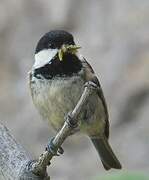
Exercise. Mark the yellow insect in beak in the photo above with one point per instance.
(73, 49)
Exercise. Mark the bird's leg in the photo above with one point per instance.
(71, 122)
(56, 151)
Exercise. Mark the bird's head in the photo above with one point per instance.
(54, 43)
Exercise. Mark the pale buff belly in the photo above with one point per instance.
(54, 99)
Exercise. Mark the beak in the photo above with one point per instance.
(73, 49)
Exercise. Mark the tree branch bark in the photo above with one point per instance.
(14, 160)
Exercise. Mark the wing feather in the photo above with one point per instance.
(90, 76)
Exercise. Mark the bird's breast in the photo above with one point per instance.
(55, 98)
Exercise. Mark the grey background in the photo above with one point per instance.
(114, 36)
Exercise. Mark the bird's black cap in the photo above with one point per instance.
(54, 39)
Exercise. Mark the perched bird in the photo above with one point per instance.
(57, 81)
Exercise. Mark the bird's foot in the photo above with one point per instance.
(70, 121)
(51, 148)
(91, 84)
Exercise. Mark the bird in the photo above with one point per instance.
(56, 82)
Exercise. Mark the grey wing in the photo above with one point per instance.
(90, 76)
(108, 158)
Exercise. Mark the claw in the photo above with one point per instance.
(92, 85)
(56, 151)
(60, 150)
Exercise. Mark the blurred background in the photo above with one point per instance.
(114, 36)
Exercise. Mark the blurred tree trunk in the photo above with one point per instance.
(13, 159)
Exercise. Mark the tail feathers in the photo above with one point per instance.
(108, 158)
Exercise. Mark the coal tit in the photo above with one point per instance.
(57, 81)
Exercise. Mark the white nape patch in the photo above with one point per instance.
(80, 56)
(44, 57)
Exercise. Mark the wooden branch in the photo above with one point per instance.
(14, 160)
(70, 124)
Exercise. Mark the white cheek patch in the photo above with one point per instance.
(44, 57)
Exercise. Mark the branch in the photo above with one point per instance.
(14, 159)
(71, 122)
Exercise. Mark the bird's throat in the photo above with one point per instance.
(70, 65)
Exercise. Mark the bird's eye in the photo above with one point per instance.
(51, 46)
